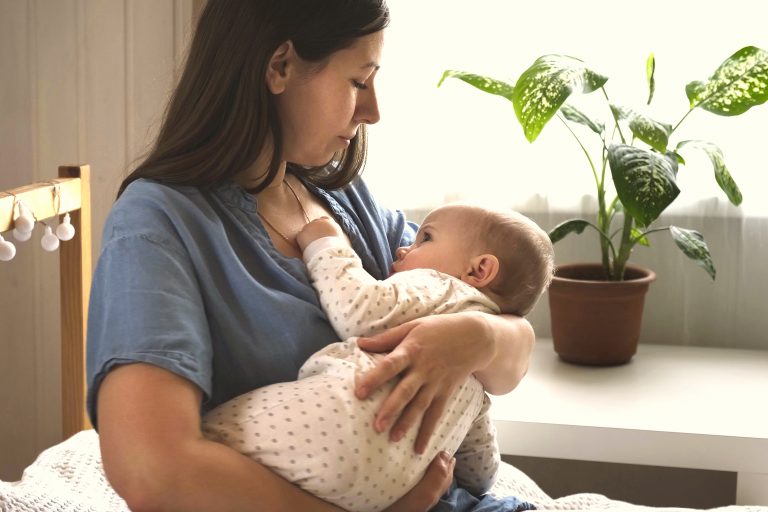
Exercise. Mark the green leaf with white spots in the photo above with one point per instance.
(740, 83)
(566, 228)
(654, 133)
(645, 181)
(484, 83)
(692, 244)
(575, 115)
(650, 71)
(674, 161)
(722, 176)
(676, 156)
(543, 88)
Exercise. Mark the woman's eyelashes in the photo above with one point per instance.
(359, 85)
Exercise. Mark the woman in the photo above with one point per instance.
(200, 294)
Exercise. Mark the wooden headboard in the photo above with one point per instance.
(75, 276)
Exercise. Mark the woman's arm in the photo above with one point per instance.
(513, 343)
(432, 355)
(156, 457)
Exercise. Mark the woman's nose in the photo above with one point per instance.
(368, 107)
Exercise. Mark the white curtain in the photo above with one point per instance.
(434, 145)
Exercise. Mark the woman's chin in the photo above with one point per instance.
(314, 160)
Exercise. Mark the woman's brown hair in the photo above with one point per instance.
(221, 114)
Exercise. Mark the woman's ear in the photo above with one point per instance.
(280, 67)
(482, 271)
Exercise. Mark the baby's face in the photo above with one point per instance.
(442, 244)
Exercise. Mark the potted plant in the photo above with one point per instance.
(637, 156)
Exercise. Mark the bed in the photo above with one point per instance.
(69, 475)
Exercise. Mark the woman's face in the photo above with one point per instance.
(321, 110)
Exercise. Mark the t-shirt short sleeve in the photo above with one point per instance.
(146, 306)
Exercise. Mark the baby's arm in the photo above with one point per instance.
(357, 304)
(478, 459)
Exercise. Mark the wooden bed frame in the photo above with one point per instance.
(75, 277)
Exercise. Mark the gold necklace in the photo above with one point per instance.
(268, 223)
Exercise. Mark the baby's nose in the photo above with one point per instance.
(401, 252)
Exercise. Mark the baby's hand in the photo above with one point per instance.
(318, 228)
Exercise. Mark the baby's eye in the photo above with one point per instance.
(359, 85)
(426, 237)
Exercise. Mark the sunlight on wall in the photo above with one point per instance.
(455, 142)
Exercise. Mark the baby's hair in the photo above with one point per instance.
(526, 258)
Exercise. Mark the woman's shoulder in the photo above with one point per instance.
(149, 192)
(147, 206)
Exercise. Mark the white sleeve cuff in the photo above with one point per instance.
(321, 244)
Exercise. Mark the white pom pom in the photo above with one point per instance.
(21, 236)
(7, 250)
(65, 231)
(24, 222)
(49, 240)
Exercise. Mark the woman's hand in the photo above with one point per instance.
(432, 355)
(425, 494)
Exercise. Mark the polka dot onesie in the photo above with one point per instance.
(315, 433)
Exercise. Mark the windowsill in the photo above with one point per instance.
(687, 407)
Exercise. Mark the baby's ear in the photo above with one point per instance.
(482, 270)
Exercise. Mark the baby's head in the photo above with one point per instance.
(504, 254)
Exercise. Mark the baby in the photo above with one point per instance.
(315, 433)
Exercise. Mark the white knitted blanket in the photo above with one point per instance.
(69, 477)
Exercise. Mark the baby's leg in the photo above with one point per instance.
(317, 434)
(289, 427)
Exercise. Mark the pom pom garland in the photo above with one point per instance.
(25, 222)
(21, 236)
(7, 250)
(49, 241)
(65, 231)
(24, 225)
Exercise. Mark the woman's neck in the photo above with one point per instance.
(254, 176)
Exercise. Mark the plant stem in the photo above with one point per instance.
(586, 153)
(604, 238)
(605, 219)
(615, 118)
(680, 121)
(612, 207)
(644, 233)
(602, 219)
(625, 249)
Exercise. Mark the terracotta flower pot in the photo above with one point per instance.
(594, 321)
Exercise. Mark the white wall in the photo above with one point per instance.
(84, 81)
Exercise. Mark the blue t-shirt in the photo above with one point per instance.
(188, 280)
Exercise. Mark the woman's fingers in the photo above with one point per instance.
(393, 405)
(426, 493)
(411, 414)
(387, 340)
(429, 422)
(386, 369)
(440, 471)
